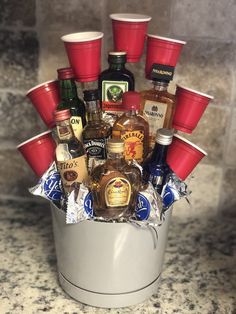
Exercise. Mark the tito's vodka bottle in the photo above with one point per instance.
(70, 154)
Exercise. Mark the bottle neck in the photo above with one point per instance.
(68, 90)
(115, 156)
(117, 66)
(132, 112)
(64, 130)
(159, 153)
(94, 112)
(160, 85)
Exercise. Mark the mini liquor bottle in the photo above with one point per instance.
(113, 82)
(70, 154)
(96, 132)
(155, 168)
(70, 100)
(115, 184)
(158, 107)
(132, 128)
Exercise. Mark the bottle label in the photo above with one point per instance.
(112, 92)
(72, 171)
(77, 126)
(96, 151)
(155, 113)
(133, 144)
(63, 131)
(117, 192)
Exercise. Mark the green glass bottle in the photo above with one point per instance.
(70, 100)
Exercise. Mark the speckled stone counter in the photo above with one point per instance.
(199, 273)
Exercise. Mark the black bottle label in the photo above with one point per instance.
(162, 72)
(96, 150)
(112, 92)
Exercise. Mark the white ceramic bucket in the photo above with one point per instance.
(109, 264)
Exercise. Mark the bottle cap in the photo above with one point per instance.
(90, 95)
(61, 115)
(131, 100)
(115, 146)
(65, 74)
(164, 136)
(117, 57)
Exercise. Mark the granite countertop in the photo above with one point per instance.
(199, 273)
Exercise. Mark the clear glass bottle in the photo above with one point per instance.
(96, 132)
(115, 184)
(70, 154)
(158, 106)
(155, 168)
(70, 100)
(132, 128)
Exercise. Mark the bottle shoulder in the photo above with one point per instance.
(154, 95)
(116, 75)
(129, 122)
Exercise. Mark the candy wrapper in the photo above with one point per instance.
(49, 186)
(173, 190)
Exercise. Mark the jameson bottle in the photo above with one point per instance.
(113, 82)
(158, 107)
(132, 128)
(115, 184)
(155, 168)
(70, 100)
(96, 132)
(70, 153)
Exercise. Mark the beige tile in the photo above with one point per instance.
(230, 156)
(228, 195)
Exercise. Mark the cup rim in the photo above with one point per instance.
(182, 42)
(33, 138)
(82, 36)
(39, 85)
(130, 17)
(194, 91)
(190, 143)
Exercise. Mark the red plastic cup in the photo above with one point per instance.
(84, 54)
(39, 152)
(190, 106)
(162, 50)
(183, 156)
(129, 34)
(45, 97)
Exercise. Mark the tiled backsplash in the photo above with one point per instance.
(31, 51)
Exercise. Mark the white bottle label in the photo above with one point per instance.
(155, 113)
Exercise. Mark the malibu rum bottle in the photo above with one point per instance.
(158, 107)
(96, 132)
(70, 154)
(115, 184)
(70, 100)
(132, 128)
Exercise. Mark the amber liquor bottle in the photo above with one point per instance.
(70, 100)
(70, 154)
(132, 128)
(115, 184)
(158, 107)
(96, 132)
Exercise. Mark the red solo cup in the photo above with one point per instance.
(39, 152)
(45, 97)
(84, 54)
(190, 106)
(183, 156)
(162, 50)
(129, 33)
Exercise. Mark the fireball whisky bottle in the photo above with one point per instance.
(158, 107)
(115, 184)
(132, 128)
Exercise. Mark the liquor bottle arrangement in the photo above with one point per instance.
(115, 184)
(96, 132)
(113, 82)
(70, 100)
(70, 153)
(132, 128)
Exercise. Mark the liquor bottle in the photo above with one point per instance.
(70, 100)
(132, 128)
(115, 184)
(113, 82)
(70, 154)
(155, 168)
(158, 107)
(96, 132)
